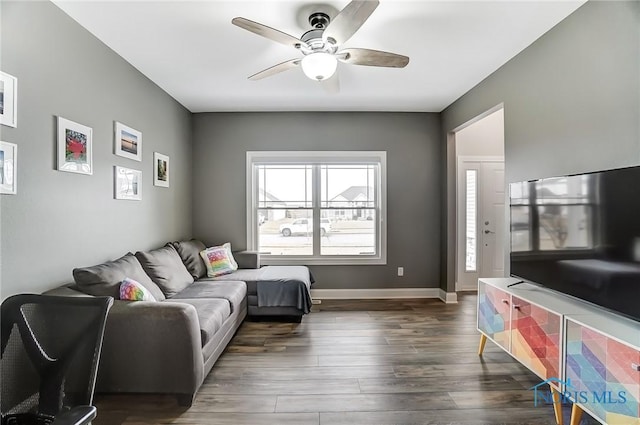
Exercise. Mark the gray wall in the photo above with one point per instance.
(571, 102)
(414, 185)
(59, 220)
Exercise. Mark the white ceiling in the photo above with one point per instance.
(192, 51)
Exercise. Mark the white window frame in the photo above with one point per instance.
(318, 158)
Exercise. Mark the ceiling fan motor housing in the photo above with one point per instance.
(313, 37)
(319, 20)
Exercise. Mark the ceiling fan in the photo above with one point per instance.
(321, 46)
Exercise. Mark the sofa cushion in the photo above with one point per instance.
(249, 276)
(165, 268)
(189, 252)
(212, 312)
(276, 286)
(104, 279)
(234, 292)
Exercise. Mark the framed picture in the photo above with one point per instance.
(127, 142)
(128, 184)
(75, 147)
(8, 168)
(8, 100)
(160, 170)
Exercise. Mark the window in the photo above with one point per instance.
(471, 245)
(317, 207)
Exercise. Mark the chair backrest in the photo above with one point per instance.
(50, 351)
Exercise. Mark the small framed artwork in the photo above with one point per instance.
(75, 147)
(8, 168)
(8, 100)
(128, 142)
(128, 184)
(160, 170)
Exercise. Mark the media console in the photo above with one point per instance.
(565, 340)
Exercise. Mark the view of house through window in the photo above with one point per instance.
(314, 209)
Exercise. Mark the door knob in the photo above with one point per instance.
(486, 232)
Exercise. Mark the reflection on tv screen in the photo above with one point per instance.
(580, 235)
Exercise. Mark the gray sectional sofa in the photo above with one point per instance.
(170, 345)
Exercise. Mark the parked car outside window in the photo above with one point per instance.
(304, 226)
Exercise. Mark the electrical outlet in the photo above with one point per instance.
(400, 271)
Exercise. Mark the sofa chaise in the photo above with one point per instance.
(169, 345)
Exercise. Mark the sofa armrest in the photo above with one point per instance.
(152, 347)
(247, 259)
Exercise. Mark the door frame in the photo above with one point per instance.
(460, 218)
(449, 238)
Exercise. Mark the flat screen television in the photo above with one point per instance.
(580, 235)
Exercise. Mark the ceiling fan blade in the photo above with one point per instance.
(370, 57)
(268, 32)
(281, 67)
(349, 20)
(331, 85)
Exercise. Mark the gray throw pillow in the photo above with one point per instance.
(165, 268)
(189, 252)
(104, 279)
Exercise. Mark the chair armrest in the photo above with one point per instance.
(79, 415)
(152, 347)
(247, 259)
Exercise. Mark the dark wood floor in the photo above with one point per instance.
(354, 362)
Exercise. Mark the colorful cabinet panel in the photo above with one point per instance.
(603, 375)
(535, 338)
(494, 314)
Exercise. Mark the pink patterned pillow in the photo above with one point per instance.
(131, 290)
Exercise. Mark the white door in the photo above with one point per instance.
(492, 223)
(480, 220)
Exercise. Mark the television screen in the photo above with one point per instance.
(580, 235)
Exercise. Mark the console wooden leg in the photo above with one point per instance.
(576, 414)
(483, 341)
(557, 405)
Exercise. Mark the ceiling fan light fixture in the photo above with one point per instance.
(319, 66)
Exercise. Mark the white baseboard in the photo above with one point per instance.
(462, 288)
(365, 294)
(448, 297)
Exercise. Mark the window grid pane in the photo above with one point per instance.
(285, 232)
(348, 185)
(284, 186)
(349, 232)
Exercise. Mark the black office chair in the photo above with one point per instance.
(50, 353)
